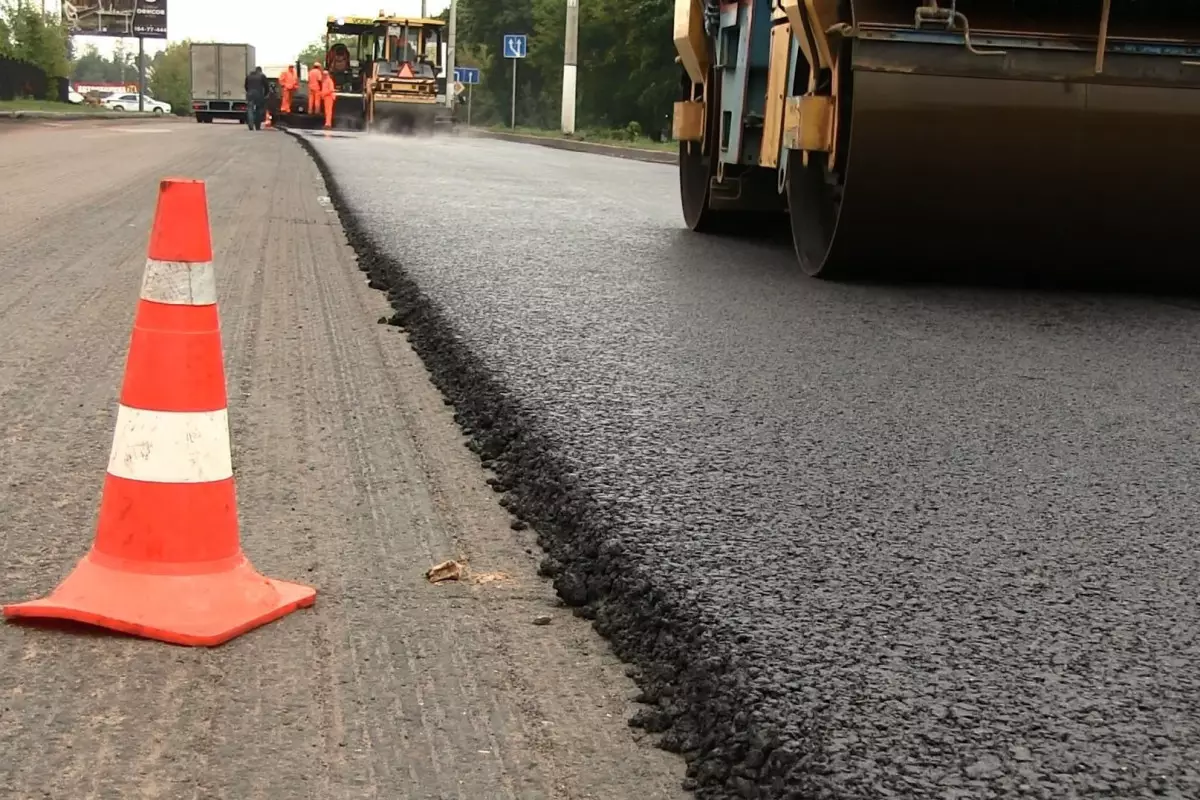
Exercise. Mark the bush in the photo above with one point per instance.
(23, 79)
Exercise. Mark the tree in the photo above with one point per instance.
(92, 67)
(41, 39)
(172, 78)
(627, 70)
(6, 42)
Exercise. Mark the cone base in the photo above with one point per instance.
(192, 610)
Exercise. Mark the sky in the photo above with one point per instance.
(278, 29)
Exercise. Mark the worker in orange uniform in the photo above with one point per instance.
(314, 88)
(288, 82)
(328, 89)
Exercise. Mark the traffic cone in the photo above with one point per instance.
(167, 562)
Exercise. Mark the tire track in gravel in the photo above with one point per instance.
(54, 285)
(401, 653)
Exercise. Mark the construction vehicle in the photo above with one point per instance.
(385, 72)
(886, 132)
(219, 73)
(403, 91)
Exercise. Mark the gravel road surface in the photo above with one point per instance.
(352, 477)
(862, 541)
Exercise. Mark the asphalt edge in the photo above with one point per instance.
(612, 150)
(691, 690)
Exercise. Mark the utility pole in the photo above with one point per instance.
(141, 74)
(451, 33)
(570, 57)
(423, 14)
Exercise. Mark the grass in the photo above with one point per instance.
(615, 138)
(49, 105)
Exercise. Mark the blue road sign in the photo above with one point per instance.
(467, 76)
(514, 45)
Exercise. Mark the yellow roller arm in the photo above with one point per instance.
(690, 40)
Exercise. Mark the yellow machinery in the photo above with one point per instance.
(943, 132)
(401, 87)
(385, 77)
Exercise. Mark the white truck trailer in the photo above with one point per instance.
(219, 80)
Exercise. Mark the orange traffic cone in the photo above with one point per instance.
(166, 562)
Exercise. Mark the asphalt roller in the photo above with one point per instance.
(981, 132)
(404, 99)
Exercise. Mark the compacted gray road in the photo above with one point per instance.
(861, 541)
(351, 477)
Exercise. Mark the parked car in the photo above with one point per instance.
(129, 102)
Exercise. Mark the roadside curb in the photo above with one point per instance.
(612, 150)
(80, 116)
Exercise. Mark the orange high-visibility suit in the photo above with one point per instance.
(315, 74)
(327, 91)
(288, 81)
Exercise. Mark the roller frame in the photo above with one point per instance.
(932, 135)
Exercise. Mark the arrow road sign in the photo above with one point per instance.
(514, 45)
(466, 75)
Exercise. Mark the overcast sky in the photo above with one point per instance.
(278, 29)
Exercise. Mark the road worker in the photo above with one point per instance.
(315, 76)
(288, 82)
(328, 90)
(257, 89)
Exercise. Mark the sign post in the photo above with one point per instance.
(119, 19)
(467, 76)
(515, 48)
(451, 38)
(570, 60)
(141, 74)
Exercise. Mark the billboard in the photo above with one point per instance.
(124, 18)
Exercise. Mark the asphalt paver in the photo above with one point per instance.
(351, 477)
(860, 540)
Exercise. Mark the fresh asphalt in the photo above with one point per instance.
(860, 541)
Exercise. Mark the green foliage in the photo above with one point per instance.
(627, 71)
(171, 81)
(41, 39)
(92, 67)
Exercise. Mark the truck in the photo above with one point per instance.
(219, 79)
(944, 133)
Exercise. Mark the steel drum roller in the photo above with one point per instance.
(1007, 132)
(955, 170)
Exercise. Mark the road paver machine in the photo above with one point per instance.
(385, 72)
(888, 132)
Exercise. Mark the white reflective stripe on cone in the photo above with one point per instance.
(179, 283)
(171, 446)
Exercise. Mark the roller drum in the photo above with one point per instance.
(405, 118)
(958, 170)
